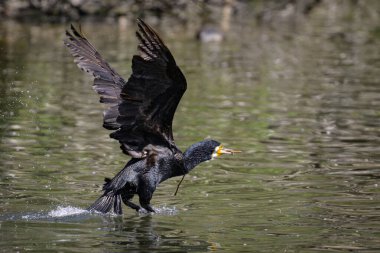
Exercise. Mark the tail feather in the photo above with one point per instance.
(106, 203)
(111, 199)
(117, 205)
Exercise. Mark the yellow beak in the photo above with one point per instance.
(222, 150)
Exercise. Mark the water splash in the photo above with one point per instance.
(58, 212)
(64, 213)
(61, 211)
(162, 210)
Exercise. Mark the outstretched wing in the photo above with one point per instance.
(151, 95)
(143, 108)
(107, 83)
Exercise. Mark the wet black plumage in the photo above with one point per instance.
(141, 112)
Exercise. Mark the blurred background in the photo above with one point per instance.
(194, 13)
(293, 84)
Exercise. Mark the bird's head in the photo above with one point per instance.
(210, 149)
(205, 150)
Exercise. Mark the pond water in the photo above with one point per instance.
(301, 101)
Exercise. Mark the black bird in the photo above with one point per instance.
(141, 112)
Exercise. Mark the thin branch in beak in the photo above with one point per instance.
(229, 151)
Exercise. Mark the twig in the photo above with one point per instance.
(179, 185)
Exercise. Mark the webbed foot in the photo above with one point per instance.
(148, 208)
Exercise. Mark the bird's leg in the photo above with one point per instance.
(144, 197)
(132, 205)
(146, 205)
(145, 190)
(126, 197)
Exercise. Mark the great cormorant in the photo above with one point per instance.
(141, 112)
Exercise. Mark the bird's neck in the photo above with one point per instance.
(193, 156)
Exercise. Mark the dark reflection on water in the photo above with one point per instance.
(302, 102)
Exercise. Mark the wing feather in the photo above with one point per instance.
(107, 83)
(141, 109)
